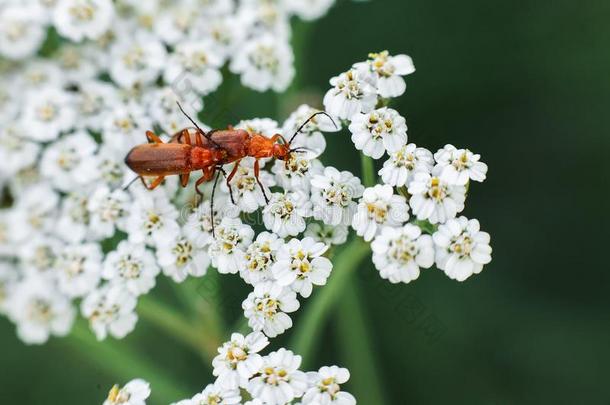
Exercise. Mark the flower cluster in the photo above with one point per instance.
(244, 376)
(74, 239)
(433, 187)
(70, 235)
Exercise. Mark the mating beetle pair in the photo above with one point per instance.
(191, 151)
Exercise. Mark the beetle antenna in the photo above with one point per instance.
(131, 182)
(309, 119)
(208, 137)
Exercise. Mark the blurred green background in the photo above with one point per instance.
(527, 85)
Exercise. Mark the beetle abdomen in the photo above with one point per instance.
(160, 159)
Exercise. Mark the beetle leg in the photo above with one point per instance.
(152, 137)
(187, 137)
(221, 170)
(257, 170)
(154, 184)
(212, 205)
(184, 179)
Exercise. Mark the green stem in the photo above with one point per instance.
(357, 349)
(179, 327)
(124, 365)
(309, 326)
(368, 171)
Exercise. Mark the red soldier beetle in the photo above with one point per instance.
(209, 152)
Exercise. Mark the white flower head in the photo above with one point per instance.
(79, 269)
(279, 380)
(434, 199)
(458, 166)
(246, 189)
(260, 257)
(264, 126)
(333, 196)
(378, 207)
(309, 10)
(94, 101)
(268, 306)
(462, 249)
(325, 387)
(194, 66)
(328, 234)
(225, 34)
(135, 392)
(286, 212)
(238, 359)
(152, 219)
(399, 169)
(132, 266)
(108, 211)
(264, 62)
(180, 258)
(110, 165)
(215, 394)
(69, 162)
(137, 61)
(34, 211)
(228, 250)
(398, 253)
(110, 310)
(295, 173)
(37, 255)
(198, 227)
(163, 109)
(80, 19)
(388, 71)
(22, 31)
(352, 93)
(16, 152)
(176, 22)
(379, 131)
(47, 113)
(311, 136)
(39, 310)
(301, 264)
(125, 127)
(73, 221)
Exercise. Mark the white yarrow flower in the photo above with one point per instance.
(260, 257)
(378, 207)
(39, 310)
(352, 93)
(379, 131)
(279, 380)
(179, 258)
(388, 71)
(458, 166)
(264, 63)
(228, 250)
(398, 253)
(462, 249)
(110, 310)
(333, 196)
(135, 392)
(238, 359)
(399, 169)
(286, 212)
(268, 306)
(132, 266)
(325, 387)
(80, 19)
(300, 264)
(434, 199)
(79, 269)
